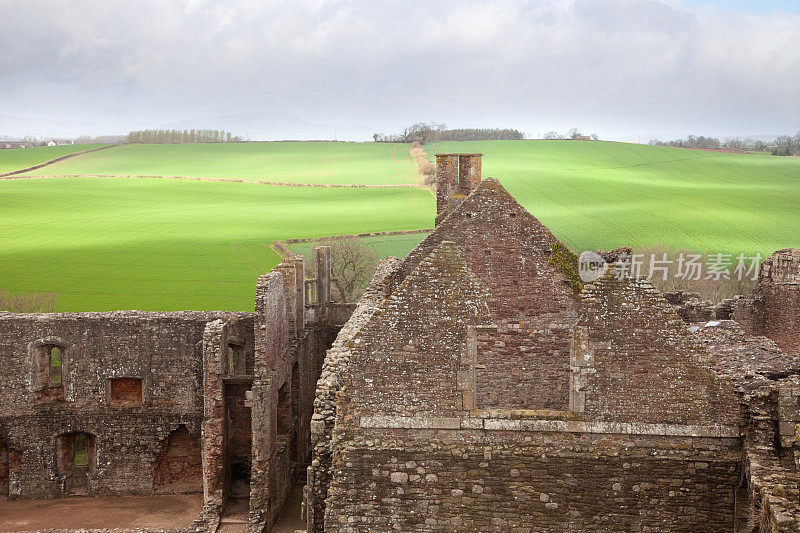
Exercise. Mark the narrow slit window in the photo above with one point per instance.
(55, 366)
(231, 361)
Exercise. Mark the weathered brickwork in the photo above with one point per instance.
(337, 360)
(428, 480)
(121, 440)
(613, 409)
(635, 360)
(772, 308)
(132, 402)
(478, 385)
(513, 255)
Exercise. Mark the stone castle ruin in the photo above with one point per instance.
(478, 385)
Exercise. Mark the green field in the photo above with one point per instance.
(383, 246)
(153, 244)
(295, 162)
(601, 195)
(19, 158)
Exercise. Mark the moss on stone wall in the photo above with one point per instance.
(566, 261)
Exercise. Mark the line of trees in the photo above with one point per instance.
(571, 135)
(181, 137)
(425, 132)
(783, 145)
(100, 139)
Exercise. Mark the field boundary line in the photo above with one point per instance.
(282, 249)
(56, 160)
(229, 180)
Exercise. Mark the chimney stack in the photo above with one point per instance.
(457, 175)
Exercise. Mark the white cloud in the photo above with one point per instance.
(612, 65)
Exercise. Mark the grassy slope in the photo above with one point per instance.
(19, 158)
(383, 246)
(599, 195)
(155, 244)
(298, 162)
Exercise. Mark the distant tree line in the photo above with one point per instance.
(181, 137)
(571, 135)
(425, 132)
(783, 145)
(101, 139)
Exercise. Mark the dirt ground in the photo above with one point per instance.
(161, 511)
(289, 520)
(128, 512)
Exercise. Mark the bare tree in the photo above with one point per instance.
(353, 263)
(27, 302)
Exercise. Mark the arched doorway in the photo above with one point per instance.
(178, 466)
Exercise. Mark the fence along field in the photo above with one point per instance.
(296, 162)
(156, 244)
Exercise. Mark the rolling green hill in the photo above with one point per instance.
(19, 158)
(295, 162)
(601, 195)
(153, 244)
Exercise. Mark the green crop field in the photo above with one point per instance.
(601, 195)
(295, 162)
(19, 158)
(154, 244)
(382, 246)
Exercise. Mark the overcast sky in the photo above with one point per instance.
(620, 68)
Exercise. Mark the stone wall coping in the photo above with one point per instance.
(559, 426)
(203, 316)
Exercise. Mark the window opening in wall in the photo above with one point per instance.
(81, 456)
(55, 366)
(231, 360)
(235, 364)
(125, 391)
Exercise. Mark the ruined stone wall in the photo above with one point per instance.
(336, 361)
(291, 339)
(407, 360)
(527, 273)
(163, 350)
(691, 308)
(773, 308)
(635, 360)
(468, 480)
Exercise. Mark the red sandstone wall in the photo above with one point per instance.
(407, 358)
(466, 481)
(773, 308)
(509, 252)
(635, 360)
(163, 349)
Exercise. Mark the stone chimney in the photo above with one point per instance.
(457, 175)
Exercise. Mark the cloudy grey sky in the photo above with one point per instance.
(621, 68)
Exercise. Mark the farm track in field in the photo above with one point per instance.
(227, 180)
